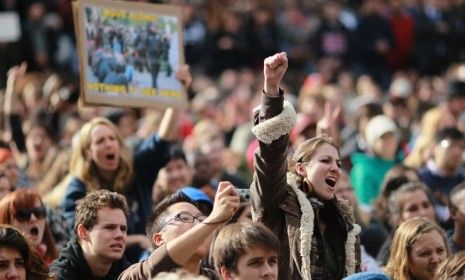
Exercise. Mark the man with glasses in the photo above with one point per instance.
(101, 232)
(181, 234)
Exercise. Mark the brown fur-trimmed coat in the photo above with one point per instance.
(278, 202)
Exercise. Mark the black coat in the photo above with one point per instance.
(71, 265)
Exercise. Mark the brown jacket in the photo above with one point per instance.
(278, 202)
(158, 261)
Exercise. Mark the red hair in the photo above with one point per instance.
(25, 199)
(5, 154)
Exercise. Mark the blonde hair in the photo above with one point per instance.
(431, 123)
(453, 268)
(404, 238)
(86, 170)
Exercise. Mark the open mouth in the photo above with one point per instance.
(34, 231)
(331, 182)
(110, 156)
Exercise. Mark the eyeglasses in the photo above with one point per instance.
(24, 215)
(184, 218)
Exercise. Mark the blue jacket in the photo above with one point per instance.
(439, 183)
(149, 157)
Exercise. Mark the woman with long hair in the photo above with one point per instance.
(296, 198)
(19, 259)
(25, 211)
(411, 200)
(102, 160)
(418, 247)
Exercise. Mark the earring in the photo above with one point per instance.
(309, 187)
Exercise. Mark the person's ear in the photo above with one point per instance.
(158, 239)
(82, 232)
(300, 169)
(226, 274)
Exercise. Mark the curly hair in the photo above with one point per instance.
(87, 208)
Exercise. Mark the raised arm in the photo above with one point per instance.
(226, 204)
(13, 74)
(273, 123)
(12, 119)
(152, 154)
(177, 252)
(169, 124)
(274, 68)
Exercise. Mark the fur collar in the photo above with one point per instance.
(272, 129)
(306, 231)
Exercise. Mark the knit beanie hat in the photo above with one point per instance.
(377, 127)
(369, 275)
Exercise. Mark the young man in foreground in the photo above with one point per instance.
(97, 250)
(245, 251)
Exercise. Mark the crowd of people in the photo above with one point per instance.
(324, 140)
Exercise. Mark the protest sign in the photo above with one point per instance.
(128, 53)
(11, 28)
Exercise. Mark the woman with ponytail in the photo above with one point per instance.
(296, 198)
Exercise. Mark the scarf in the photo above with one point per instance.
(306, 231)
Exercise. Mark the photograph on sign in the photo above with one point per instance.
(129, 53)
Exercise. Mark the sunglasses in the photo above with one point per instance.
(24, 215)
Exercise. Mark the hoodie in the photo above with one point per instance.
(71, 265)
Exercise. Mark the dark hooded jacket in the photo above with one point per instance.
(71, 265)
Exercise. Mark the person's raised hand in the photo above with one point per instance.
(225, 205)
(183, 74)
(274, 68)
(327, 123)
(17, 71)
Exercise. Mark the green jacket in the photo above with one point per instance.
(367, 175)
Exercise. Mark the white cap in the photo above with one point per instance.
(377, 127)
